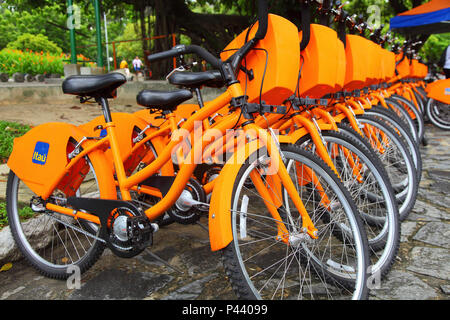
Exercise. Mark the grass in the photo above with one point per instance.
(9, 131)
(24, 213)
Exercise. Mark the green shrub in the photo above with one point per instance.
(3, 217)
(24, 213)
(9, 131)
(12, 61)
(37, 43)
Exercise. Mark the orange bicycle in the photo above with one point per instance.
(273, 247)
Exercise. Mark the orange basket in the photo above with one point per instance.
(403, 67)
(357, 62)
(384, 64)
(318, 62)
(341, 65)
(424, 71)
(380, 75)
(372, 65)
(416, 69)
(389, 64)
(283, 64)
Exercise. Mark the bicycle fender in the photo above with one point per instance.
(39, 157)
(220, 231)
(439, 90)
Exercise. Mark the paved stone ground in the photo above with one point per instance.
(422, 269)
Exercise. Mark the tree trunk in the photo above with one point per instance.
(143, 24)
(164, 26)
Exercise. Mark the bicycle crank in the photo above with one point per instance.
(124, 228)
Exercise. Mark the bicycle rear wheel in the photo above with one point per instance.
(50, 241)
(262, 267)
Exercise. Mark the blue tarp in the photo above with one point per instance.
(421, 19)
(428, 18)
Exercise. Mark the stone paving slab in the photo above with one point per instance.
(401, 285)
(421, 271)
(435, 233)
(433, 262)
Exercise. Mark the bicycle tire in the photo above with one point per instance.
(405, 189)
(395, 123)
(383, 236)
(238, 268)
(419, 116)
(435, 117)
(53, 267)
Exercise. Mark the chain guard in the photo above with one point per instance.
(139, 231)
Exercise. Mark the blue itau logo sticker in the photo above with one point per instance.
(447, 91)
(40, 153)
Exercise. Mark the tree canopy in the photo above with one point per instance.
(209, 23)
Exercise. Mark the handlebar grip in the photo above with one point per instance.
(182, 49)
(164, 55)
(205, 54)
(263, 12)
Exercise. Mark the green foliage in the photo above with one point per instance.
(9, 131)
(14, 23)
(3, 217)
(12, 61)
(129, 50)
(434, 46)
(49, 18)
(24, 213)
(39, 43)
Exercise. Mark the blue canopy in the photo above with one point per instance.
(431, 17)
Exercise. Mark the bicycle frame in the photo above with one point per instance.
(126, 184)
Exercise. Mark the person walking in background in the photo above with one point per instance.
(444, 62)
(137, 64)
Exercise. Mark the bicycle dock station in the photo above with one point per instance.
(299, 166)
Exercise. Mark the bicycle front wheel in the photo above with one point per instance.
(365, 178)
(261, 266)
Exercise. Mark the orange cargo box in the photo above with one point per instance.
(283, 52)
(403, 68)
(319, 62)
(340, 66)
(439, 90)
(373, 65)
(389, 64)
(357, 62)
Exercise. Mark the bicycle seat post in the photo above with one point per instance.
(105, 108)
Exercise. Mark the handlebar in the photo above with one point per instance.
(181, 50)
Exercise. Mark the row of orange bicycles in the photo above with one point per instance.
(305, 164)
